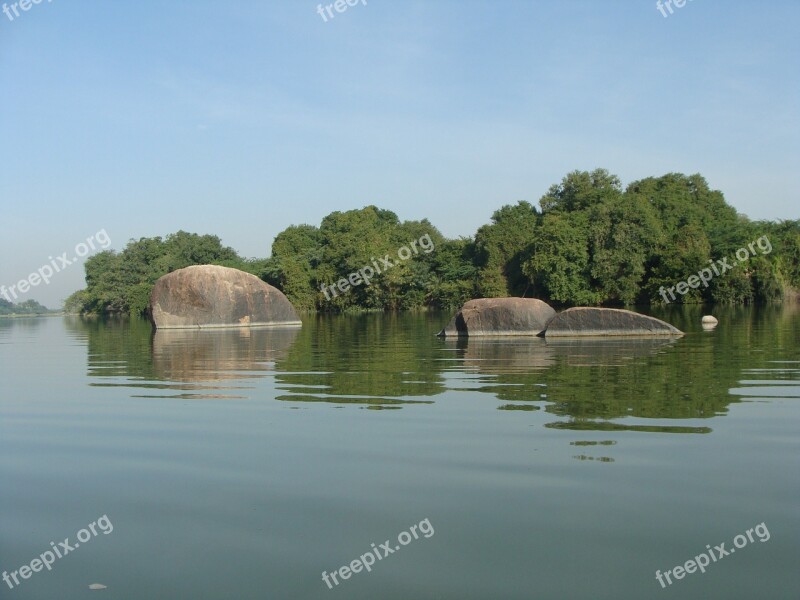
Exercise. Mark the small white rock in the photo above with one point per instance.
(97, 586)
(708, 319)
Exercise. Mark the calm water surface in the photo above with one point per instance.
(243, 464)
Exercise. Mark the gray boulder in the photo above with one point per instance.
(212, 296)
(500, 316)
(582, 321)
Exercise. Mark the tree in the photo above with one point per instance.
(296, 254)
(687, 252)
(455, 276)
(624, 233)
(27, 307)
(560, 263)
(580, 190)
(122, 282)
(591, 243)
(501, 249)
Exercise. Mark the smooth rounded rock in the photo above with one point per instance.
(709, 320)
(206, 296)
(500, 316)
(586, 321)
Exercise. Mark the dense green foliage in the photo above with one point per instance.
(121, 282)
(595, 243)
(305, 258)
(29, 307)
(590, 242)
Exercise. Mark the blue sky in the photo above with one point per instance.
(241, 118)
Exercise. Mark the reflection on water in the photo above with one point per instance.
(578, 461)
(7, 324)
(518, 407)
(612, 351)
(217, 355)
(524, 355)
(500, 355)
(390, 361)
(578, 425)
(371, 360)
(602, 459)
(779, 381)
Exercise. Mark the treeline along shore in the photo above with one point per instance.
(589, 242)
(29, 308)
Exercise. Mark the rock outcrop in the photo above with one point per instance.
(213, 296)
(582, 321)
(500, 316)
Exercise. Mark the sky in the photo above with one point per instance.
(238, 119)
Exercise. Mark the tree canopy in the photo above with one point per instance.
(590, 242)
(122, 282)
(28, 307)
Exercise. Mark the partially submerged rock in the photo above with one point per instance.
(581, 321)
(500, 316)
(214, 296)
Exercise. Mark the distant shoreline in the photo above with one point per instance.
(23, 315)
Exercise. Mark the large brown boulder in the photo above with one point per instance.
(582, 321)
(500, 316)
(213, 296)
